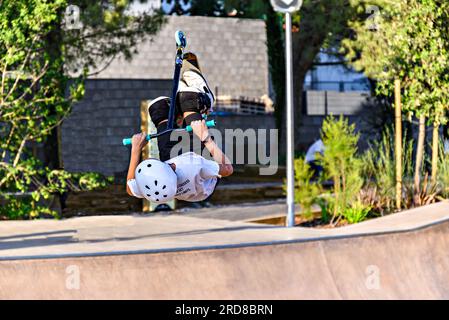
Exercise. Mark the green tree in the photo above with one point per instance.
(247, 8)
(409, 43)
(211, 8)
(38, 52)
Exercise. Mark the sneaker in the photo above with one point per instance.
(163, 208)
(192, 59)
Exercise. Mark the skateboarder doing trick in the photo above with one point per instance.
(188, 177)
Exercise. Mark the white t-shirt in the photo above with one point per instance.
(317, 147)
(197, 177)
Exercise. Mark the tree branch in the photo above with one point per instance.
(19, 152)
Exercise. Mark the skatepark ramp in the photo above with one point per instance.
(402, 256)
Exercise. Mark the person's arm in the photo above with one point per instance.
(201, 131)
(139, 141)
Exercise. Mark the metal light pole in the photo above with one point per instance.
(290, 123)
(288, 7)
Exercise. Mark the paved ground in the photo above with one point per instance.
(193, 256)
(240, 212)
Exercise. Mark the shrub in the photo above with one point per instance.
(427, 192)
(306, 192)
(379, 171)
(443, 172)
(358, 212)
(341, 164)
(44, 184)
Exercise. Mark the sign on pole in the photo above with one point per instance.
(288, 7)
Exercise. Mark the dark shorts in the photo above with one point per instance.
(164, 143)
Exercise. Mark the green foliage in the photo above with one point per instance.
(206, 8)
(443, 172)
(379, 166)
(356, 213)
(106, 33)
(37, 57)
(379, 171)
(326, 214)
(365, 185)
(426, 195)
(380, 176)
(306, 192)
(340, 163)
(16, 208)
(35, 204)
(410, 43)
(247, 8)
(344, 167)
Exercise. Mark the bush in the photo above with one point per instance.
(443, 172)
(341, 164)
(306, 192)
(379, 171)
(38, 57)
(358, 212)
(32, 199)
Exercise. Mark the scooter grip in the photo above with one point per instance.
(209, 124)
(127, 142)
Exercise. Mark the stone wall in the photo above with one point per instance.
(232, 54)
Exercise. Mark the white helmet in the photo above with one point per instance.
(156, 180)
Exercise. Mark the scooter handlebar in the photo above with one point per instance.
(209, 124)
